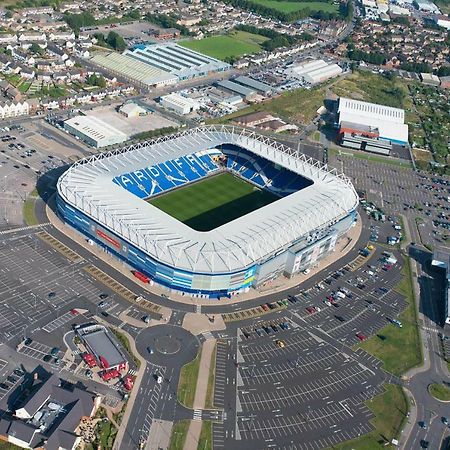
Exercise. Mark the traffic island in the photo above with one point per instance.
(440, 392)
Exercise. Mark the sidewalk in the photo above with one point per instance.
(195, 426)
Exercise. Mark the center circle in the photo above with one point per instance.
(167, 345)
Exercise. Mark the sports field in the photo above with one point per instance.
(232, 45)
(210, 203)
(288, 7)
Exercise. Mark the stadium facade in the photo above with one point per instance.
(105, 197)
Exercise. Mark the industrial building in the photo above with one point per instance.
(259, 86)
(371, 120)
(367, 144)
(236, 88)
(179, 104)
(177, 61)
(441, 259)
(94, 131)
(132, 109)
(132, 69)
(314, 72)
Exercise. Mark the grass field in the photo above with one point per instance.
(300, 105)
(210, 203)
(399, 348)
(389, 409)
(288, 7)
(233, 45)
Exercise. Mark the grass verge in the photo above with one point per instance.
(390, 409)
(8, 446)
(126, 345)
(29, 214)
(399, 348)
(209, 400)
(205, 441)
(179, 434)
(188, 381)
(439, 391)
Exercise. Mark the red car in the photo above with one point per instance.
(311, 309)
(330, 298)
(74, 312)
(360, 336)
(265, 307)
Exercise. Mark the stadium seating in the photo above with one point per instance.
(153, 180)
(163, 177)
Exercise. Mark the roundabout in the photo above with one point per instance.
(167, 345)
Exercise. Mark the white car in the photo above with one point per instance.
(159, 379)
(327, 302)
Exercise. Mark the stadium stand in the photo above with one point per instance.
(153, 180)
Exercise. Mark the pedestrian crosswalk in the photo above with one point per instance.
(435, 330)
(132, 372)
(29, 227)
(207, 335)
(198, 309)
(197, 414)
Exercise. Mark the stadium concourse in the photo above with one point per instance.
(123, 202)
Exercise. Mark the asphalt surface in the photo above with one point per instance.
(309, 393)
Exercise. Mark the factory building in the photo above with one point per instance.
(236, 88)
(262, 88)
(177, 61)
(94, 131)
(314, 72)
(372, 120)
(179, 104)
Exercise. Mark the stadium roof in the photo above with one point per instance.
(238, 244)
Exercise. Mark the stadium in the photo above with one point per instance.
(210, 211)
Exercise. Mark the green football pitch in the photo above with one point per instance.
(209, 203)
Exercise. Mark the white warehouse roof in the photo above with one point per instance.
(88, 186)
(388, 120)
(96, 129)
(322, 73)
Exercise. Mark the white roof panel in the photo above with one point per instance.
(238, 244)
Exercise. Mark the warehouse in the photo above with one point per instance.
(236, 88)
(263, 88)
(314, 72)
(322, 74)
(179, 104)
(373, 120)
(177, 61)
(94, 131)
(133, 70)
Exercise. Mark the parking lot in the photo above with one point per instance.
(422, 198)
(37, 282)
(307, 390)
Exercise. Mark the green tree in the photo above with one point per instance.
(116, 41)
(36, 49)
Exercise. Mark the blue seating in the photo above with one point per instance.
(162, 177)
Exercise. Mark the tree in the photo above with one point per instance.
(443, 71)
(96, 80)
(116, 41)
(36, 49)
